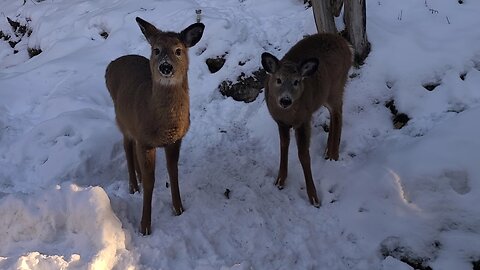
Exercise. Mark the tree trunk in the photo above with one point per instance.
(355, 26)
(323, 13)
(336, 7)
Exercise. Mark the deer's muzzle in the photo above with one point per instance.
(285, 102)
(166, 69)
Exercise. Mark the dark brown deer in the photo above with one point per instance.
(312, 74)
(151, 103)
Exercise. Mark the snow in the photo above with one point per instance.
(62, 226)
(395, 194)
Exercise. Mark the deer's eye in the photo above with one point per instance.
(156, 51)
(279, 81)
(295, 83)
(178, 52)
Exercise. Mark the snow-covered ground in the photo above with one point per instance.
(408, 194)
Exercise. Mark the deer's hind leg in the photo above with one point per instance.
(335, 131)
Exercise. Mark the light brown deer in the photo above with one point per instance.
(151, 103)
(312, 74)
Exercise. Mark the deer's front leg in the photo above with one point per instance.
(302, 134)
(128, 145)
(172, 153)
(146, 161)
(284, 132)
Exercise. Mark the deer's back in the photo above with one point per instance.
(128, 80)
(125, 74)
(331, 50)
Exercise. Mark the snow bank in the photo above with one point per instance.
(65, 227)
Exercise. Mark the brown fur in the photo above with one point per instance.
(324, 87)
(152, 109)
(152, 115)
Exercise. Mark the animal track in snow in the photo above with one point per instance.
(459, 181)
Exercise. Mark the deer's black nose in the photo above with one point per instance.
(285, 102)
(165, 68)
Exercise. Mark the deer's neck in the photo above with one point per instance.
(166, 97)
(170, 118)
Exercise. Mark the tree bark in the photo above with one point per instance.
(323, 13)
(336, 7)
(355, 26)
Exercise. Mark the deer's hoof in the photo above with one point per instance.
(133, 189)
(327, 157)
(331, 157)
(315, 202)
(279, 186)
(178, 210)
(280, 183)
(145, 229)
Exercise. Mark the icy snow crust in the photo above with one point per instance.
(64, 201)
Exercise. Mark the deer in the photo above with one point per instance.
(312, 74)
(151, 101)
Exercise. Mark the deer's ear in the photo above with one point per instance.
(308, 67)
(148, 30)
(192, 34)
(269, 62)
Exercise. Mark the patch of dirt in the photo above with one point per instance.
(399, 119)
(431, 86)
(215, 64)
(391, 246)
(246, 88)
(19, 31)
(104, 34)
(476, 265)
(34, 52)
